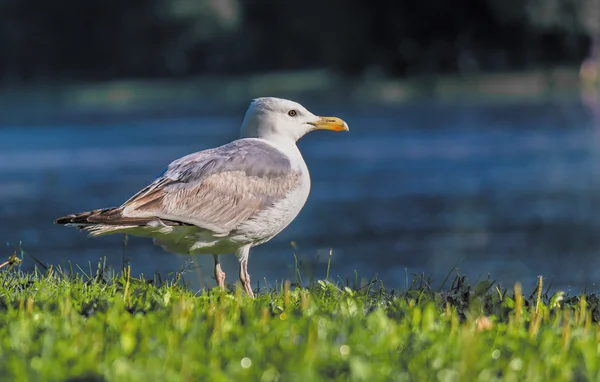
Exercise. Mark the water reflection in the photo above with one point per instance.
(506, 189)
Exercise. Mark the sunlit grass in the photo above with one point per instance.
(55, 326)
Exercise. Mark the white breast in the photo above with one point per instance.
(268, 223)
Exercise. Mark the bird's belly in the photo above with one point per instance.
(192, 240)
(268, 223)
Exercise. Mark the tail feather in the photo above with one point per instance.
(103, 216)
(110, 217)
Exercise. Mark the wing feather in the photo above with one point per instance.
(218, 189)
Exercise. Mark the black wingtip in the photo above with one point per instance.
(64, 220)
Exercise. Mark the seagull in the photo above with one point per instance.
(226, 199)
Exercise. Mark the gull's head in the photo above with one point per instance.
(279, 119)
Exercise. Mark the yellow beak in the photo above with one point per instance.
(330, 123)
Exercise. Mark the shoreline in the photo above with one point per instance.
(226, 94)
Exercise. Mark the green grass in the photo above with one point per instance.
(57, 326)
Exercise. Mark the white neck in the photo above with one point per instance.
(287, 146)
(279, 140)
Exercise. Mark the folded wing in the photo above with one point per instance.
(217, 189)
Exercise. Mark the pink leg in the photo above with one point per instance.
(242, 255)
(245, 278)
(219, 274)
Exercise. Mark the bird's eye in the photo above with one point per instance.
(292, 113)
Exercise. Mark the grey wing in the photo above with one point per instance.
(217, 189)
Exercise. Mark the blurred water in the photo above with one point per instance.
(505, 189)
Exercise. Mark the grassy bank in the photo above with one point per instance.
(98, 327)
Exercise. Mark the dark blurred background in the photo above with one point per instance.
(99, 40)
(475, 128)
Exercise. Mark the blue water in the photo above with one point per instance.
(506, 189)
